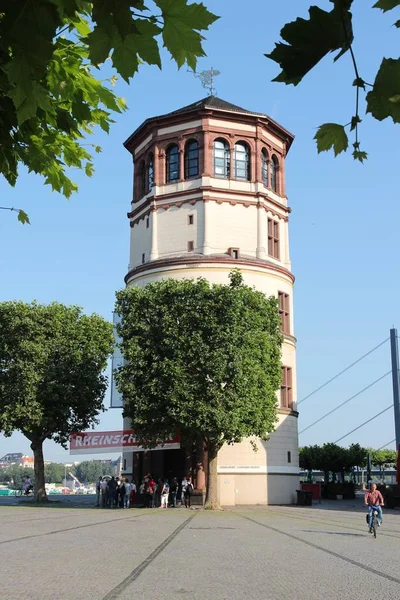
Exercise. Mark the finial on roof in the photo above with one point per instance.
(207, 79)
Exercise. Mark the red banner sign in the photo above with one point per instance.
(93, 442)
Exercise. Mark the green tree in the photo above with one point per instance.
(201, 358)
(309, 459)
(307, 41)
(14, 476)
(383, 459)
(333, 459)
(51, 373)
(89, 471)
(357, 458)
(54, 473)
(50, 96)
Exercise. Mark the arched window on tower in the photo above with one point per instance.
(274, 174)
(242, 161)
(191, 159)
(150, 172)
(264, 167)
(221, 158)
(142, 178)
(172, 163)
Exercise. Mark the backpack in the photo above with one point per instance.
(189, 489)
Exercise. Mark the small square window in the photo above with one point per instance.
(143, 258)
(289, 456)
(147, 222)
(190, 246)
(191, 219)
(234, 252)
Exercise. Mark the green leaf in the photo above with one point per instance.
(308, 41)
(354, 122)
(182, 22)
(386, 5)
(397, 24)
(81, 25)
(381, 100)
(147, 46)
(100, 44)
(89, 170)
(332, 135)
(124, 57)
(23, 217)
(359, 155)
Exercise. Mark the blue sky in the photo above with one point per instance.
(344, 224)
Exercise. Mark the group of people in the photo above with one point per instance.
(162, 494)
(115, 492)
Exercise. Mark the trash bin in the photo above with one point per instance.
(308, 501)
(301, 497)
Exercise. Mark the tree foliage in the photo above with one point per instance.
(89, 471)
(50, 96)
(51, 373)
(332, 458)
(14, 476)
(384, 458)
(307, 41)
(54, 472)
(201, 358)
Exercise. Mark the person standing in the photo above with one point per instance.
(122, 492)
(164, 494)
(98, 491)
(183, 490)
(112, 488)
(127, 497)
(150, 492)
(104, 493)
(188, 492)
(174, 492)
(132, 499)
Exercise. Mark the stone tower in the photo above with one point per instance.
(208, 196)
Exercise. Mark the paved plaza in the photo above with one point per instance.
(65, 552)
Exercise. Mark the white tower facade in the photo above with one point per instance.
(209, 196)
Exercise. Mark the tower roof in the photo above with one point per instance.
(212, 103)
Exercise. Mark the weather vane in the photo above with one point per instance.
(207, 79)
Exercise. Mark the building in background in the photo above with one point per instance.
(17, 458)
(209, 195)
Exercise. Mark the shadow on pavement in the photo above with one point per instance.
(333, 533)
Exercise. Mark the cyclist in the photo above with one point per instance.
(27, 485)
(374, 501)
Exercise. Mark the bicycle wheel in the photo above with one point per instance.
(18, 493)
(374, 523)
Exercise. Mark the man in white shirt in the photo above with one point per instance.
(183, 491)
(127, 497)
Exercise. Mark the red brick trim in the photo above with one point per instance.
(209, 189)
(201, 259)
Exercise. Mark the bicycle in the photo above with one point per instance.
(374, 525)
(23, 492)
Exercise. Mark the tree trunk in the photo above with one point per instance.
(212, 478)
(39, 488)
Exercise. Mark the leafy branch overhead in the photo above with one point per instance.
(307, 41)
(50, 96)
